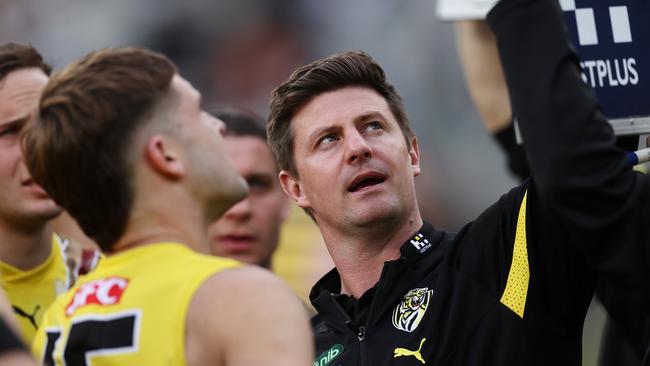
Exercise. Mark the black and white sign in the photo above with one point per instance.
(612, 38)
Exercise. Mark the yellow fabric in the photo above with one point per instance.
(516, 291)
(31, 292)
(161, 280)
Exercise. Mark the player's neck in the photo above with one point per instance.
(25, 249)
(360, 257)
(180, 225)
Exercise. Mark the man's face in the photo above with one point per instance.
(249, 230)
(22, 202)
(355, 168)
(210, 171)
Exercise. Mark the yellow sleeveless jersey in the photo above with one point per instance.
(131, 310)
(31, 292)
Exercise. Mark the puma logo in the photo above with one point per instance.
(399, 352)
(31, 318)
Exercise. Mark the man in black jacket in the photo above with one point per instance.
(512, 287)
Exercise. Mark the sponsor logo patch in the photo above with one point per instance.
(107, 291)
(408, 313)
(328, 356)
(420, 243)
(403, 352)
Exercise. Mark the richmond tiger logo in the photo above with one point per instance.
(408, 314)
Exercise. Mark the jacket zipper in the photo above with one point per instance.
(361, 336)
(360, 332)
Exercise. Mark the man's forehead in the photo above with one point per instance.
(20, 92)
(338, 106)
(251, 151)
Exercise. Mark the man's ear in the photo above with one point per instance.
(293, 188)
(414, 153)
(164, 156)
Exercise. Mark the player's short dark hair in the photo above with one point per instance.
(77, 149)
(240, 122)
(15, 56)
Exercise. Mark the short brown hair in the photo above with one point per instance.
(14, 56)
(240, 122)
(77, 148)
(329, 74)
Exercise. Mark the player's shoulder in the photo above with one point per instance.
(243, 279)
(246, 287)
(232, 303)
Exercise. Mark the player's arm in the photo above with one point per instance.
(7, 314)
(479, 58)
(487, 87)
(248, 316)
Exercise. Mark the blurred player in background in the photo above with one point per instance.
(250, 230)
(151, 173)
(35, 264)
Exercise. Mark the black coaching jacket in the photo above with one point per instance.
(512, 287)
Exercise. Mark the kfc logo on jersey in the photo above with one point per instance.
(107, 291)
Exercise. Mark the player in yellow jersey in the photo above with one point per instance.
(150, 173)
(35, 264)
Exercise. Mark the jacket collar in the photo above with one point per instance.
(395, 274)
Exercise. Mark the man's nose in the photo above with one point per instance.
(240, 211)
(357, 148)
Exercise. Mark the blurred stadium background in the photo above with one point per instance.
(236, 51)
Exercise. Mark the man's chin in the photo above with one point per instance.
(372, 215)
(47, 213)
(33, 218)
(42, 209)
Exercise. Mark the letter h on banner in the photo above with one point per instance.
(586, 23)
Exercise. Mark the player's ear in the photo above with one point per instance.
(164, 156)
(414, 153)
(293, 188)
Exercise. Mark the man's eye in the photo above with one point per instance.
(258, 185)
(374, 125)
(10, 131)
(327, 139)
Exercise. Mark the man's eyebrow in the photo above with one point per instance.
(319, 131)
(358, 119)
(369, 115)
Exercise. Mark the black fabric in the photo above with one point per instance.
(623, 343)
(514, 153)
(584, 214)
(464, 322)
(583, 177)
(8, 340)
